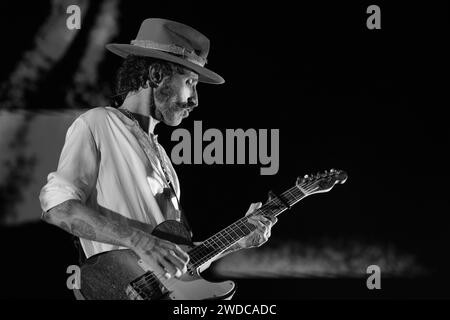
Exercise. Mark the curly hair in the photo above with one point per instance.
(134, 74)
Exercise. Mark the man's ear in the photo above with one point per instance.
(155, 74)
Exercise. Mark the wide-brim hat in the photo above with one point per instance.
(171, 41)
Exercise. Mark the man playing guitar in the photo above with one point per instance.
(114, 182)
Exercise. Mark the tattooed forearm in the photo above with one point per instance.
(65, 227)
(82, 229)
(141, 239)
(121, 226)
(85, 230)
(105, 226)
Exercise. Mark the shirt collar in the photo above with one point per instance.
(131, 122)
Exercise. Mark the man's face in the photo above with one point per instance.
(175, 97)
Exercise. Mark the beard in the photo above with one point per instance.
(170, 110)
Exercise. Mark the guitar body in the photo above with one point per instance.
(120, 275)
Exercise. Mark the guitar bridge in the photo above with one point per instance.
(132, 293)
(146, 287)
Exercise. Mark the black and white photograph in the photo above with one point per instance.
(247, 154)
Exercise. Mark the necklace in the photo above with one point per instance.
(158, 154)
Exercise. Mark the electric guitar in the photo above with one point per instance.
(121, 275)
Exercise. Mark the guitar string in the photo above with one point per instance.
(201, 252)
(228, 231)
(169, 283)
(306, 187)
(143, 282)
(232, 228)
(235, 228)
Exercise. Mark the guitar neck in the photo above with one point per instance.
(228, 236)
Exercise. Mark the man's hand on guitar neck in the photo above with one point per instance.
(259, 236)
(262, 232)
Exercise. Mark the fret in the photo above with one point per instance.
(217, 236)
(234, 233)
(272, 208)
(225, 242)
(239, 231)
(235, 236)
(246, 227)
(227, 237)
(212, 243)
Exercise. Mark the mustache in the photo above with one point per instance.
(182, 105)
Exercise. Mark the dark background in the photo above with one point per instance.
(370, 102)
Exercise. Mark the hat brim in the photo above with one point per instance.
(204, 74)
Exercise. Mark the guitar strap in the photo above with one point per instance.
(79, 248)
(182, 214)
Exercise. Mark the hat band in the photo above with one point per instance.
(171, 48)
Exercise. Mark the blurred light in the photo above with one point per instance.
(327, 258)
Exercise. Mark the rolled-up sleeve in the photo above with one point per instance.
(77, 170)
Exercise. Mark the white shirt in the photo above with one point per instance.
(109, 163)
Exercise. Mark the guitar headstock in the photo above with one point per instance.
(321, 182)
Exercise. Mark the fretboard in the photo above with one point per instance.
(228, 236)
